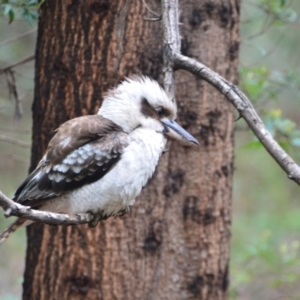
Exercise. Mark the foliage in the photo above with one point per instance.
(263, 82)
(27, 9)
(265, 256)
(264, 259)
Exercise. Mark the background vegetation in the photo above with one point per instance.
(265, 258)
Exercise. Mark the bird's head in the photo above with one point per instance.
(141, 102)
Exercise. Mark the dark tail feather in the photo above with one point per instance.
(11, 229)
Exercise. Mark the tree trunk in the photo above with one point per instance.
(174, 244)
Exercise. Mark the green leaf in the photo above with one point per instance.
(29, 15)
(11, 16)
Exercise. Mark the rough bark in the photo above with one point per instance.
(174, 244)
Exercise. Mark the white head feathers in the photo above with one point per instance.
(132, 103)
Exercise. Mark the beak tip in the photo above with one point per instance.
(195, 142)
(176, 132)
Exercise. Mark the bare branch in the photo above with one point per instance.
(21, 62)
(12, 208)
(11, 140)
(173, 58)
(158, 16)
(246, 110)
(272, 50)
(21, 36)
(13, 91)
(171, 43)
(12, 87)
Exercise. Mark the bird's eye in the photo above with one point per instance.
(160, 111)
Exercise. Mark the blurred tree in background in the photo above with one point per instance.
(265, 258)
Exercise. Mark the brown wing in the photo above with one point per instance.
(82, 151)
(74, 133)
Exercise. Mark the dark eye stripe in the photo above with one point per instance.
(156, 113)
(161, 111)
(147, 110)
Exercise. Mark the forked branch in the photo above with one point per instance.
(12, 208)
(230, 91)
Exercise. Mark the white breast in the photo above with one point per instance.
(120, 186)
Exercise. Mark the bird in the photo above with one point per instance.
(100, 163)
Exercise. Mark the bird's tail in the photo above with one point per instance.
(11, 229)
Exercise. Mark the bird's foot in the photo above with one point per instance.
(97, 217)
(124, 211)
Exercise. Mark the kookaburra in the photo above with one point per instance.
(100, 163)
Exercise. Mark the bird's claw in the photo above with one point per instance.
(97, 217)
(124, 211)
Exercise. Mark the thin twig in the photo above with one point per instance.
(12, 87)
(272, 50)
(21, 36)
(11, 140)
(12, 208)
(150, 10)
(263, 30)
(13, 91)
(21, 62)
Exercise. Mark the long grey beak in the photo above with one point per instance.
(174, 131)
